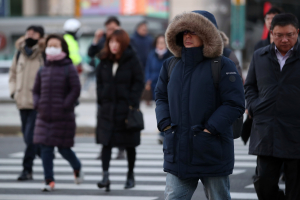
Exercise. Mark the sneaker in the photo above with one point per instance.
(25, 176)
(78, 176)
(48, 186)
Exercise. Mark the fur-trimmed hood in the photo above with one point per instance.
(224, 38)
(203, 24)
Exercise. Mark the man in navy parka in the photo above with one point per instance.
(195, 116)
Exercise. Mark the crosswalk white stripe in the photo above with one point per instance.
(71, 197)
(234, 195)
(57, 161)
(86, 169)
(281, 186)
(61, 177)
(95, 155)
(243, 195)
(68, 186)
(147, 144)
(146, 170)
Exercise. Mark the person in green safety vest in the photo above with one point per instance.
(71, 28)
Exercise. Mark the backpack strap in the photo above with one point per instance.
(18, 56)
(171, 66)
(216, 70)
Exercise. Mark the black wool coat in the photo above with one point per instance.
(115, 95)
(273, 98)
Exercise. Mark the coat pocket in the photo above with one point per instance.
(207, 148)
(169, 145)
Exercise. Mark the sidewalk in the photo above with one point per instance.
(10, 122)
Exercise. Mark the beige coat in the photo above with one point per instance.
(22, 73)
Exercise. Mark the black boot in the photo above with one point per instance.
(130, 182)
(25, 175)
(105, 183)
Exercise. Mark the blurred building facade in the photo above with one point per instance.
(16, 15)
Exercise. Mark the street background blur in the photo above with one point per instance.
(242, 21)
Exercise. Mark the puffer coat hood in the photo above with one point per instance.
(203, 24)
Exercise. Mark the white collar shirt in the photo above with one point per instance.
(282, 59)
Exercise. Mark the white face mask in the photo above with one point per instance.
(53, 51)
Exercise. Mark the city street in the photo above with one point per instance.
(150, 178)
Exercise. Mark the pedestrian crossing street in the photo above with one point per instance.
(149, 175)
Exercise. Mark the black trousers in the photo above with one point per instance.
(28, 117)
(106, 157)
(268, 174)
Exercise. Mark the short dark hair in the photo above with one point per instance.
(38, 29)
(112, 19)
(275, 10)
(285, 19)
(64, 45)
(144, 22)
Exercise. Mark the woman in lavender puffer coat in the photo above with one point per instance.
(55, 93)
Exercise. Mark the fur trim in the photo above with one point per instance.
(224, 38)
(204, 28)
(20, 43)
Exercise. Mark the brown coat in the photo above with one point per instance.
(22, 73)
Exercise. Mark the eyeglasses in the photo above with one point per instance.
(281, 36)
(189, 32)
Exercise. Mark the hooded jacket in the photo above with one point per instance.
(23, 71)
(190, 103)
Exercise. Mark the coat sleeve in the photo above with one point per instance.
(251, 89)
(75, 87)
(137, 85)
(13, 76)
(94, 49)
(99, 83)
(232, 99)
(148, 69)
(161, 99)
(37, 90)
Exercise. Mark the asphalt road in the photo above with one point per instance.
(150, 178)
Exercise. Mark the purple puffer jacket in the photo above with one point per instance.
(55, 94)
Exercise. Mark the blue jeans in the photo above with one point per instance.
(215, 188)
(28, 117)
(47, 158)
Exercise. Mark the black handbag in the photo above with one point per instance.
(135, 120)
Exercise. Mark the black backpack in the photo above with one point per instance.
(216, 73)
(67, 79)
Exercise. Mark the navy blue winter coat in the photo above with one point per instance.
(153, 67)
(142, 45)
(190, 103)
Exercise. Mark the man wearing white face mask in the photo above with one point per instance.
(25, 65)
